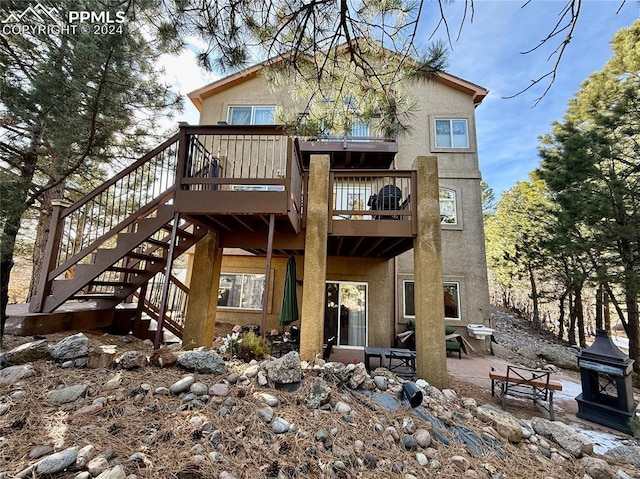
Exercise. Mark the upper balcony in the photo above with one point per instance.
(364, 147)
(232, 178)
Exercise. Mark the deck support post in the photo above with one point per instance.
(431, 355)
(315, 259)
(167, 280)
(199, 323)
(267, 276)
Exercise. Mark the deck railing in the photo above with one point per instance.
(109, 209)
(372, 195)
(177, 299)
(235, 158)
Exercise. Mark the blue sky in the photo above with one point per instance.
(488, 53)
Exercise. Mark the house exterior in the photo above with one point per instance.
(386, 232)
(368, 300)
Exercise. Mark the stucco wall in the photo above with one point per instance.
(463, 244)
(374, 272)
(463, 252)
(254, 91)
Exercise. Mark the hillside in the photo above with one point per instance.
(272, 419)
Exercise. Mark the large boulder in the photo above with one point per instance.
(285, 370)
(560, 356)
(133, 360)
(26, 353)
(57, 462)
(102, 357)
(503, 422)
(203, 362)
(630, 454)
(68, 394)
(358, 375)
(563, 435)
(71, 347)
(319, 395)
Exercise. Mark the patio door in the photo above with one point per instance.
(345, 314)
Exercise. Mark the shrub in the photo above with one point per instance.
(252, 347)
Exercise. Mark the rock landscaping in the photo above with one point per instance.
(193, 414)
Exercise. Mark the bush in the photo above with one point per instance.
(252, 347)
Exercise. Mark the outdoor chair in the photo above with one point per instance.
(454, 344)
(388, 199)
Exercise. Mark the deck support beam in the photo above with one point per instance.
(315, 259)
(267, 276)
(431, 359)
(167, 280)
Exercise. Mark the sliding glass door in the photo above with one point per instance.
(345, 314)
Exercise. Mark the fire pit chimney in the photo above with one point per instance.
(607, 392)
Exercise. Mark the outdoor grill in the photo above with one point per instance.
(607, 393)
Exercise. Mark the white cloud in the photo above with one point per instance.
(184, 75)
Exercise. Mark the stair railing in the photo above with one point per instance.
(95, 220)
(176, 309)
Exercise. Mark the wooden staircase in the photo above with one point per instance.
(117, 244)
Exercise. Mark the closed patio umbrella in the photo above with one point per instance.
(289, 311)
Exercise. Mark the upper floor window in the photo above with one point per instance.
(251, 115)
(448, 212)
(452, 134)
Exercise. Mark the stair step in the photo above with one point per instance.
(120, 269)
(93, 296)
(115, 284)
(148, 257)
(182, 233)
(155, 242)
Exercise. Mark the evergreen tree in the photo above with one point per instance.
(71, 101)
(591, 163)
(515, 237)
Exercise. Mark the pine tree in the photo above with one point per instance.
(71, 102)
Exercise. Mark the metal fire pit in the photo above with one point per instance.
(607, 392)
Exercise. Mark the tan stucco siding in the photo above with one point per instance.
(255, 91)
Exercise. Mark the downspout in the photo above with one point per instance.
(396, 303)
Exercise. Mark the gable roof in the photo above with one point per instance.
(198, 96)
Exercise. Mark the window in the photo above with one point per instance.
(452, 134)
(448, 213)
(241, 291)
(345, 314)
(451, 299)
(251, 115)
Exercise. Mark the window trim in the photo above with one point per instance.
(366, 314)
(455, 206)
(444, 283)
(253, 113)
(240, 308)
